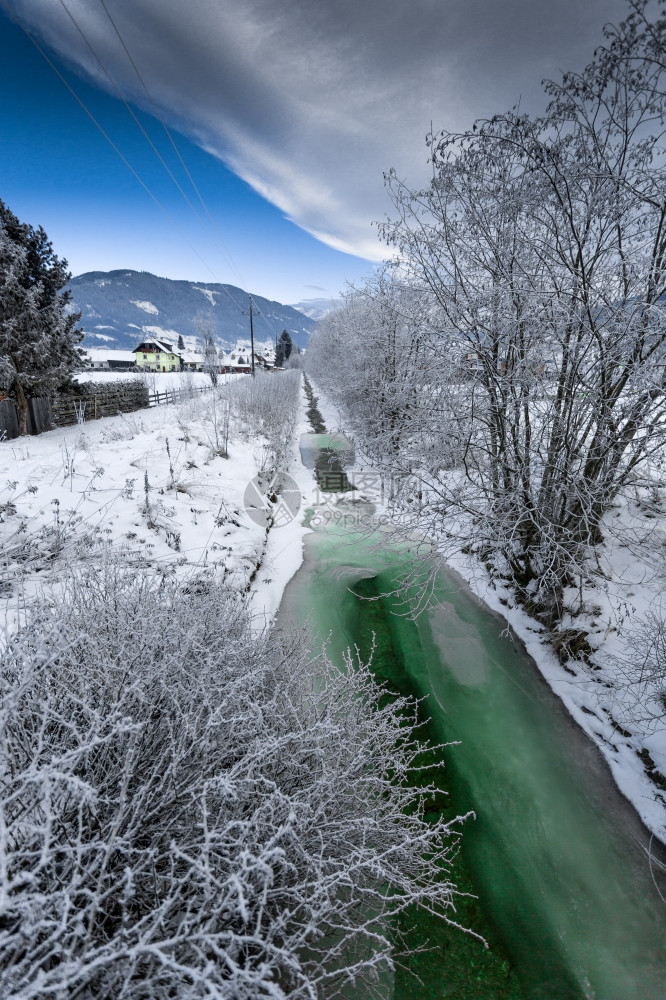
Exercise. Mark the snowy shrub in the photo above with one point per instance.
(267, 405)
(32, 544)
(213, 412)
(188, 810)
(641, 674)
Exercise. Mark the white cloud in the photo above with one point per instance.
(311, 103)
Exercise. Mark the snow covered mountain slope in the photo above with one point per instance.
(119, 307)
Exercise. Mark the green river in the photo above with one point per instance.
(566, 898)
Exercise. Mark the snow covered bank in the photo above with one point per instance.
(154, 485)
(592, 692)
(625, 581)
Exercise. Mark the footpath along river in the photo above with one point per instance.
(567, 899)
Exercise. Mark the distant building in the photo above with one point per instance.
(191, 362)
(157, 356)
(236, 364)
(239, 361)
(105, 359)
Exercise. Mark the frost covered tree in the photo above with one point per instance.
(372, 355)
(542, 243)
(208, 348)
(189, 809)
(640, 667)
(211, 359)
(38, 334)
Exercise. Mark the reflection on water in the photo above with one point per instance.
(453, 639)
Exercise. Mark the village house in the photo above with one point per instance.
(236, 363)
(239, 359)
(106, 359)
(191, 362)
(157, 356)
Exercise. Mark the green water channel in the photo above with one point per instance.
(556, 857)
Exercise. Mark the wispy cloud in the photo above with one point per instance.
(311, 103)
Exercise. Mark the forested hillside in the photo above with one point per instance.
(118, 307)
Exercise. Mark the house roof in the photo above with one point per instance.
(107, 354)
(160, 344)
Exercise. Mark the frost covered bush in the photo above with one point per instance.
(213, 414)
(189, 811)
(641, 673)
(268, 405)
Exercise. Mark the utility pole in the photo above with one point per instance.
(252, 336)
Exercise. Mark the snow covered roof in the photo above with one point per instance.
(97, 354)
(160, 344)
(233, 361)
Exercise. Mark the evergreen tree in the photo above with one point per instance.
(283, 348)
(38, 333)
(181, 342)
(285, 337)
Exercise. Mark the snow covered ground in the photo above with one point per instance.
(626, 581)
(595, 692)
(151, 485)
(156, 381)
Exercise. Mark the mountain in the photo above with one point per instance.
(316, 309)
(121, 308)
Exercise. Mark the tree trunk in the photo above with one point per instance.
(21, 408)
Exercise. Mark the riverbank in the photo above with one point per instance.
(163, 489)
(626, 579)
(555, 854)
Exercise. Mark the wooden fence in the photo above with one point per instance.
(40, 415)
(169, 396)
(39, 418)
(8, 420)
(98, 400)
(93, 401)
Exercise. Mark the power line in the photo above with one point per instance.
(158, 115)
(214, 227)
(143, 130)
(118, 152)
(129, 108)
(108, 138)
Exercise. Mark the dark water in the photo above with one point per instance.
(556, 857)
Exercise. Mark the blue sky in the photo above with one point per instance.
(286, 112)
(57, 170)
